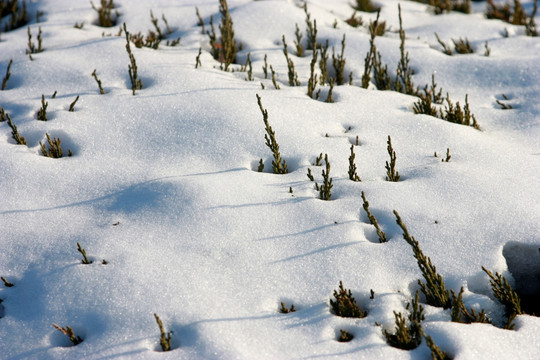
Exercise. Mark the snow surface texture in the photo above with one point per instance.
(163, 185)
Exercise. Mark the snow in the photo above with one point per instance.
(163, 185)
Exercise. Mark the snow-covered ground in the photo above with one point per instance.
(164, 186)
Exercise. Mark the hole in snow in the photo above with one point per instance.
(523, 262)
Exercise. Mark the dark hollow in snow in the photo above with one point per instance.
(523, 262)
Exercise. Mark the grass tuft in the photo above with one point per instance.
(503, 291)
(75, 340)
(14, 132)
(353, 175)
(6, 283)
(407, 336)
(325, 192)
(373, 220)
(165, 338)
(72, 105)
(55, 149)
(85, 260)
(391, 173)
(434, 289)
(345, 305)
(345, 336)
(106, 16)
(136, 83)
(42, 112)
(94, 75)
(8, 74)
(285, 310)
(279, 166)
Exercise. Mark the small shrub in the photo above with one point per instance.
(454, 114)
(365, 6)
(373, 220)
(436, 352)
(72, 105)
(101, 91)
(298, 42)
(323, 78)
(227, 49)
(6, 283)
(462, 46)
(274, 82)
(503, 291)
(285, 310)
(55, 149)
(325, 192)
(279, 166)
(434, 289)
(353, 175)
(404, 72)
(329, 97)
(106, 16)
(345, 305)
(345, 336)
(32, 49)
(446, 49)
(338, 61)
(293, 76)
(312, 81)
(18, 16)
(75, 340)
(85, 260)
(14, 132)
(460, 313)
(42, 112)
(136, 83)
(391, 173)
(8, 74)
(407, 337)
(165, 338)
(369, 60)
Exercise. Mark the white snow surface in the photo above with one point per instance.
(163, 185)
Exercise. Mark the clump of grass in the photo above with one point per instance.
(325, 192)
(434, 289)
(323, 78)
(42, 112)
(436, 352)
(293, 76)
(198, 59)
(407, 336)
(369, 60)
(391, 173)
(503, 105)
(462, 46)
(353, 175)
(274, 82)
(298, 42)
(373, 220)
(461, 314)
(445, 6)
(226, 50)
(446, 49)
(68, 331)
(330, 97)
(18, 15)
(55, 149)
(355, 21)
(448, 156)
(136, 83)
(338, 61)
(404, 72)
(345, 305)
(106, 16)
(312, 81)
(8, 74)
(365, 6)
(285, 310)
(503, 291)
(85, 260)
(32, 49)
(72, 105)
(279, 166)
(165, 338)
(94, 75)
(456, 115)
(14, 132)
(311, 29)
(6, 283)
(345, 336)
